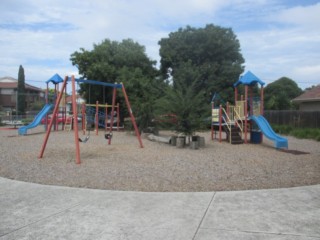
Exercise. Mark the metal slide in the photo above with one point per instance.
(279, 142)
(37, 120)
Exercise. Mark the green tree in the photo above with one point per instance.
(125, 62)
(213, 54)
(186, 104)
(278, 94)
(21, 92)
(185, 101)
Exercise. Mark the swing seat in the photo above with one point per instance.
(108, 136)
(84, 140)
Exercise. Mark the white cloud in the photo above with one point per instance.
(307, 16)
(285, 43)
(288, 46)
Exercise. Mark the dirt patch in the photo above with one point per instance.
(123, 165)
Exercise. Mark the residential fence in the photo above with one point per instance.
(310, 119)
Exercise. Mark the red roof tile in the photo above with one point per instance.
(310, 95)
(14, 85)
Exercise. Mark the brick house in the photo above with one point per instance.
(8, 94)
(309, 100)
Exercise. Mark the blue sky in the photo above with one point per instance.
(277, 37)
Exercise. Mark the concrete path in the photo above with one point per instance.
(33, 211)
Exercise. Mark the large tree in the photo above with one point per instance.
(21, 92)
(211, 53)
(278, 94)
(126, 62)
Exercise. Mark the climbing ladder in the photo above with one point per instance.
(68, 123)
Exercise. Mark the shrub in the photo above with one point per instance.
(302, 133)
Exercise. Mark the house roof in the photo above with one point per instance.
(7, 79)
(309, 96)
(9, 82)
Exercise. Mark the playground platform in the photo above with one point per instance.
(33, 211)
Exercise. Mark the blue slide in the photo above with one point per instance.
(280, 142)
(36, 121)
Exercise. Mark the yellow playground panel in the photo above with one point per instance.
(215, 115)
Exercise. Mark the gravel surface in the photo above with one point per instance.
(160, 167)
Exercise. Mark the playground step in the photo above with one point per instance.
(236, 140)
(235, 135)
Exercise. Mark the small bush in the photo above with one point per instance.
(302, 133)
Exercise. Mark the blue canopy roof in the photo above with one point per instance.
(248, 79)
(94, 82)
(55, 79)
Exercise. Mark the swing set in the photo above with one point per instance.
(77, 139)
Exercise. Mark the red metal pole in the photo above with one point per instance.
(118, 116)
(235, 95)
(246, 114)
(251, 101)
(75, 120)
(56, 107)
(261, 101)
(220, 123)
(97, 117)
(64, 115)
(83, 117)
(106, 119)
(47, 101)
(261, 106)
(133, 120)
(112, 111)
(54, 117)
(212, 107)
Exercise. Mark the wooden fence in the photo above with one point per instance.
(294, 118)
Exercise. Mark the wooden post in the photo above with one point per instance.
(261, 101)
(212, 129)
(220, 123)
(118, 116)
(112, 111)
(56, 108)
(133, 120)
(246, 114)
(75, 120)
(106, 118)
(97, 117)
(83, 113)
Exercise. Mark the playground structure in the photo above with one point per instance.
(246, 116)
(43, 114)
(75, 113)
(37, 120)
(89, 113)
(93, 116)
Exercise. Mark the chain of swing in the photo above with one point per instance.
(107, 135)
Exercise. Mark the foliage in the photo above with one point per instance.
(21, 98)
(26, 121)
(125, 62)
(186, 104)
(278, 95)
(35, 106)
(212, 54)
(303, 133)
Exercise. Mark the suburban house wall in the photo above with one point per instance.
(8, 94)
(309, 100)
(310, 106)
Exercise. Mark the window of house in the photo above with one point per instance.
(8, 91)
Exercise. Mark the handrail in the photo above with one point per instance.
(233, 117)
(238, 118)
(228, 122)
